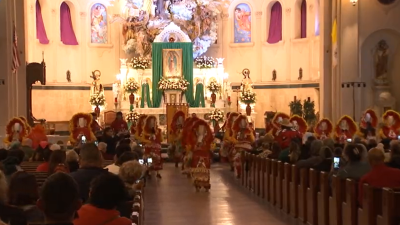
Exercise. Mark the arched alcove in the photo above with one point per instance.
(300, 19)
(368, 61)
(42, 20)
(273, 9)
(72, 37)
(316, 21)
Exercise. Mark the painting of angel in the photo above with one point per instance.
(242, 23)
(98, 24)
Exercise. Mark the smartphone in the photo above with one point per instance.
(96, 143)
(349, 140)
(149, 160)
(83, 139)
(336, 162)
(141, 161)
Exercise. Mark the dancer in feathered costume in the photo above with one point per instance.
(15, 130)
(176, 136)
(323, 129)
(368, 124)
(80, 125)
(201, 137)
(245, 137)
(276, 122)
(391, 128)
(37, 135)
(187, 145)
(286, 134)
(229, 140)
(152, 138)
(345, 129)
(223, 128)
(139, 127)
(299, 124)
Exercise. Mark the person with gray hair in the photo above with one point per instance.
(91, 166)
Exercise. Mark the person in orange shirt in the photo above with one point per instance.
(380, 174)
(107, 192)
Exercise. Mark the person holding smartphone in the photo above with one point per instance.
(355, 167)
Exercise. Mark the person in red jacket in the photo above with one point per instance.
(380, 174)
(286, 134)
(119, 124)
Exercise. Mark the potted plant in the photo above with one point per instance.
(216, 117)
(97, 100)
(132, 87)
(309, 111)
(248, 97)
(213, 87)
(296, 108)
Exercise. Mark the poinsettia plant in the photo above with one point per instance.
(131, 86)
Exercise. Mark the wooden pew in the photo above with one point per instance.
(267, 179)
(349, 206)
(272, 181)
(311, 195)
(371, 206)
(323, 199)
(390, 207)
(278, 184)
(294, 194)
(264, 179)
(335, 201)
(302, 189)
(258, 175)
(286, 188)
(244, 159)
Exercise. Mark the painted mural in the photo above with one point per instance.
(98, 24)
(242, 23)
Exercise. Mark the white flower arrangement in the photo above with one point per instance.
(214, 87)
(131, 86)
(248, 97)
(132, 116)
(204, 62)
(140, 63)
(165, 84)
(216, 115)
(97, 99)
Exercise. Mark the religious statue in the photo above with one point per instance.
(116, 91)
(381, 62)
(345, 129)
(97, 87)
(391, 127)
(247, 84)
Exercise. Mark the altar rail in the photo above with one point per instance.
(313, 198)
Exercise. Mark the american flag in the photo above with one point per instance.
(16, 62)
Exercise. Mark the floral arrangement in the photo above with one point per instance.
(132, 116)
(216, 115)
(204, 62)
(248, 97)
(131, 86)
(140, 63)
(214, 87)
(165, 84)
(97, 99)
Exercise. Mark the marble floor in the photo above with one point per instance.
(174, 201)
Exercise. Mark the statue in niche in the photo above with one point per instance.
(69, 76)
(381, 62)
(274, 75)
(247, 84)
(97, 87)
(300, 74)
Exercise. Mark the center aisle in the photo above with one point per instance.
(174, 201)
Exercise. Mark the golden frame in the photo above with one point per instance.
(177, 55)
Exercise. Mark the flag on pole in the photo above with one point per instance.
(334, 45)
(16, 62)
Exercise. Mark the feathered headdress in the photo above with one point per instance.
(329, 127)
(352, 126)
(10, 130)
(301, 126)
(179, 114)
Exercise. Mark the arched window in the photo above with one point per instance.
(303, 19)
(242, 24)
(275, 24)
(66, 29)
(316, 24)
(98, 23)
(41, 34)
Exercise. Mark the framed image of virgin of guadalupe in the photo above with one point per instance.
(172, 63)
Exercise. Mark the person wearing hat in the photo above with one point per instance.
(119, 124)
(286, 134)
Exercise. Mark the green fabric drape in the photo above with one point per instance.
(146, 95)
(199, 96)
(187, 69)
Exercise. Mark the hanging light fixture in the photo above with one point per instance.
(354, 2)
